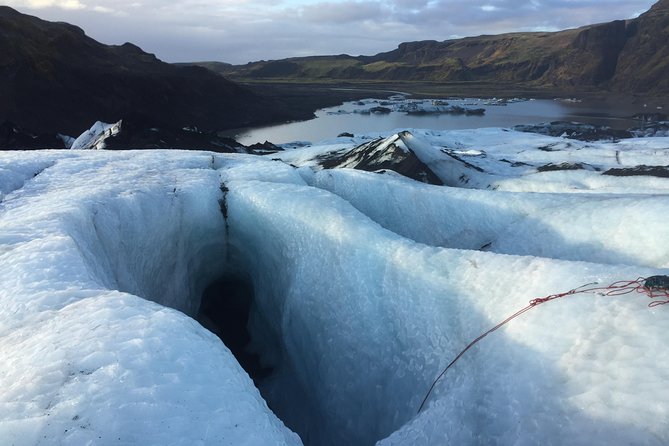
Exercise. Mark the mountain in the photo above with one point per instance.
(53, 78)
(627, 56)
(644, 61)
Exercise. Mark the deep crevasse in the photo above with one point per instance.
(357, 320)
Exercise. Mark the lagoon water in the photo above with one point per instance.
(330, 122)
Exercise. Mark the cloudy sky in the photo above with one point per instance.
(239, 31)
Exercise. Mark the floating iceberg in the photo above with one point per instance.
(94, 138)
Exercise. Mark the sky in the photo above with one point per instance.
(240, 31)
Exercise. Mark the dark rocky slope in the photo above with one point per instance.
(53, 78)
(643, 64)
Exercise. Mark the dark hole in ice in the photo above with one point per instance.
(224, 310)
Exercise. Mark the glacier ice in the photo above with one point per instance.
(94, 138)
(365, 286)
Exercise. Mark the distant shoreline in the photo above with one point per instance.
(306, 97)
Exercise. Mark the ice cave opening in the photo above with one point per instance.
(224, 310)
(228, 308)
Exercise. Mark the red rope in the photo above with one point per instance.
(615, 289)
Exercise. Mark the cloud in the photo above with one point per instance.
(341, 12)
(104, 9)
(239, 31)
(40, 4)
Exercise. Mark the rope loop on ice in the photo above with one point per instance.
(655, 287)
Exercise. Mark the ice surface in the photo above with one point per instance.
(583, 227)
(502, 159)
(15, 173)
(84, 361)
(366, 285)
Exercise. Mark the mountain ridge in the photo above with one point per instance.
(621, 56)
(54, 78)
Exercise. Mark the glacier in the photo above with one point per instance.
(365, 286)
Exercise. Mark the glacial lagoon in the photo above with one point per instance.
(354, 118)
